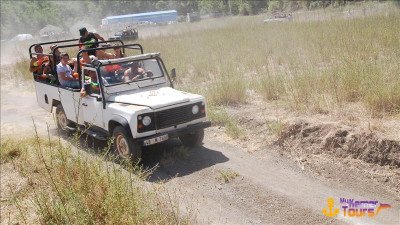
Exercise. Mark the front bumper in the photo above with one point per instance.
(176, 133)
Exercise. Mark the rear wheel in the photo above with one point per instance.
(124, 146)
(63, 123)
(193, 139)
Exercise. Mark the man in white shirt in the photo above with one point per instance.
(65, 73)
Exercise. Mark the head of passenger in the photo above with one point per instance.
(52, 47)
(117, 49)
(135, 65)
(92, 75)
(38, 49)
(83, 32)
(117, 52)
(64, 58)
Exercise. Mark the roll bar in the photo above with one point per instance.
(79, 44)
(128, 46)
(50, 42)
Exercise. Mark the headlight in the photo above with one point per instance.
(146, 120)
(195, 109)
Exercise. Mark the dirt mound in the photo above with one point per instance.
(341, 141)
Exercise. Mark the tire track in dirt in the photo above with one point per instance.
(269, 189)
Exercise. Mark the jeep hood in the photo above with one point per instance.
(155, 99)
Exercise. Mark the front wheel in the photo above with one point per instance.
(63, 123)
(124, 146)
(193, 139)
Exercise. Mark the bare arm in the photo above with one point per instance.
(98, 36)
(101, 54)
(141, 71)
(47, 69)
(126, 74)
(75, 66)
(64, 77)
(140, 74)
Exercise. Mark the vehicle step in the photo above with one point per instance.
(96, 135)
(71, 129)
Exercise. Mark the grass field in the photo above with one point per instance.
(314, 65)
(305, 65)
(70, 187)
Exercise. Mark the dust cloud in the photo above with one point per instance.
(14, 51)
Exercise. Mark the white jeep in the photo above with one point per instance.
(135, 109)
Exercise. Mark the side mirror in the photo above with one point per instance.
(173, 74)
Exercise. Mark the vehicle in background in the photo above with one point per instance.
(50, 32)
(22, 37)
(151, 17)
(126, 35)
(279, 17)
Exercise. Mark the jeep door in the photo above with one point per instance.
(70, 101)
(91, 103)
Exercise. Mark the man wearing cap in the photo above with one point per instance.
(89, 39)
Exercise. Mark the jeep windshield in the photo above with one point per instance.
(131, 72)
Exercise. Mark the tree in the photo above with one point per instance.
(275, 5)
(212, 6)
(162, 5)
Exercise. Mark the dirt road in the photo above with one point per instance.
(269, 188)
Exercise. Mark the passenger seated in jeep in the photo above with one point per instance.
(135, 72)
(116, 55)
(65, 73)
(87, 59)
(54, 60)
(39, 61)
(118, 52)
(57, 56)
(111, 70)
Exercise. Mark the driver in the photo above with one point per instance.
(135, 72)
(91, 80)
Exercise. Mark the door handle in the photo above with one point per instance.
(84, 104)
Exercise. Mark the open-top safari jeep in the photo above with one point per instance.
(135, 112)
(126, 34)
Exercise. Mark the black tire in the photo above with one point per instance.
(124, 146)
(63, 124)
(193, 139)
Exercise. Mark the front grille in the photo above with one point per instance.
(175, 116)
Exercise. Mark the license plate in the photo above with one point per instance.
(155, 140)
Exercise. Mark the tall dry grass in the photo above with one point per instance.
(68, 187)
(316, 65)
(306, 64)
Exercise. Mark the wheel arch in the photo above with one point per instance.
(118, 121)
(54, 103)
